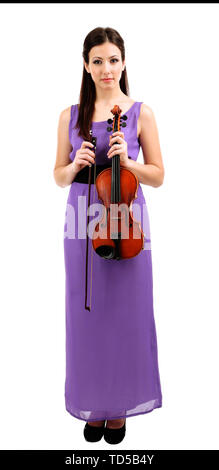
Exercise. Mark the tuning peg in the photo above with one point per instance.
(124, 117)
(110, 121)
(123, 124)
(109, 129)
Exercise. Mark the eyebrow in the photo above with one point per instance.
(115, 55)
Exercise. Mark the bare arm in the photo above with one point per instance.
(151, 172)
(64, 171)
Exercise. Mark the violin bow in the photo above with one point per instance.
(93, 141)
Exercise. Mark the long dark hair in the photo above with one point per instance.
(88, 92)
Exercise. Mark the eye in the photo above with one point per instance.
(97, 60)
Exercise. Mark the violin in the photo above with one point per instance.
(117, 235)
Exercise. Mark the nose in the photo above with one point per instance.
(106, 67)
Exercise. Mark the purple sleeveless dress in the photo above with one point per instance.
(111, 352)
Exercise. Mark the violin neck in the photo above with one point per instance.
(115, 180)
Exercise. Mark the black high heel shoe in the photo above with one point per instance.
(116, 435)
(93, 433)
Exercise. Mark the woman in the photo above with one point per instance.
(111, 351)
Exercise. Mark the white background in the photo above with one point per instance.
(172, 66)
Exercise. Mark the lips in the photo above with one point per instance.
(107, 79)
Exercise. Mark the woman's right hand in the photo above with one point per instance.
(83, 156)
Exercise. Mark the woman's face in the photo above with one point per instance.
(105, 62)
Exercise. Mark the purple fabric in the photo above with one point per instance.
(111, 352)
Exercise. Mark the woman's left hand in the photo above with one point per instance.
(121, 148)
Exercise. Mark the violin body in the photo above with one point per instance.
(118, 235)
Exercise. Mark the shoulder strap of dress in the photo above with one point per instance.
(137, 111)
(138, 108)
(73, 118)
(74, 111)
